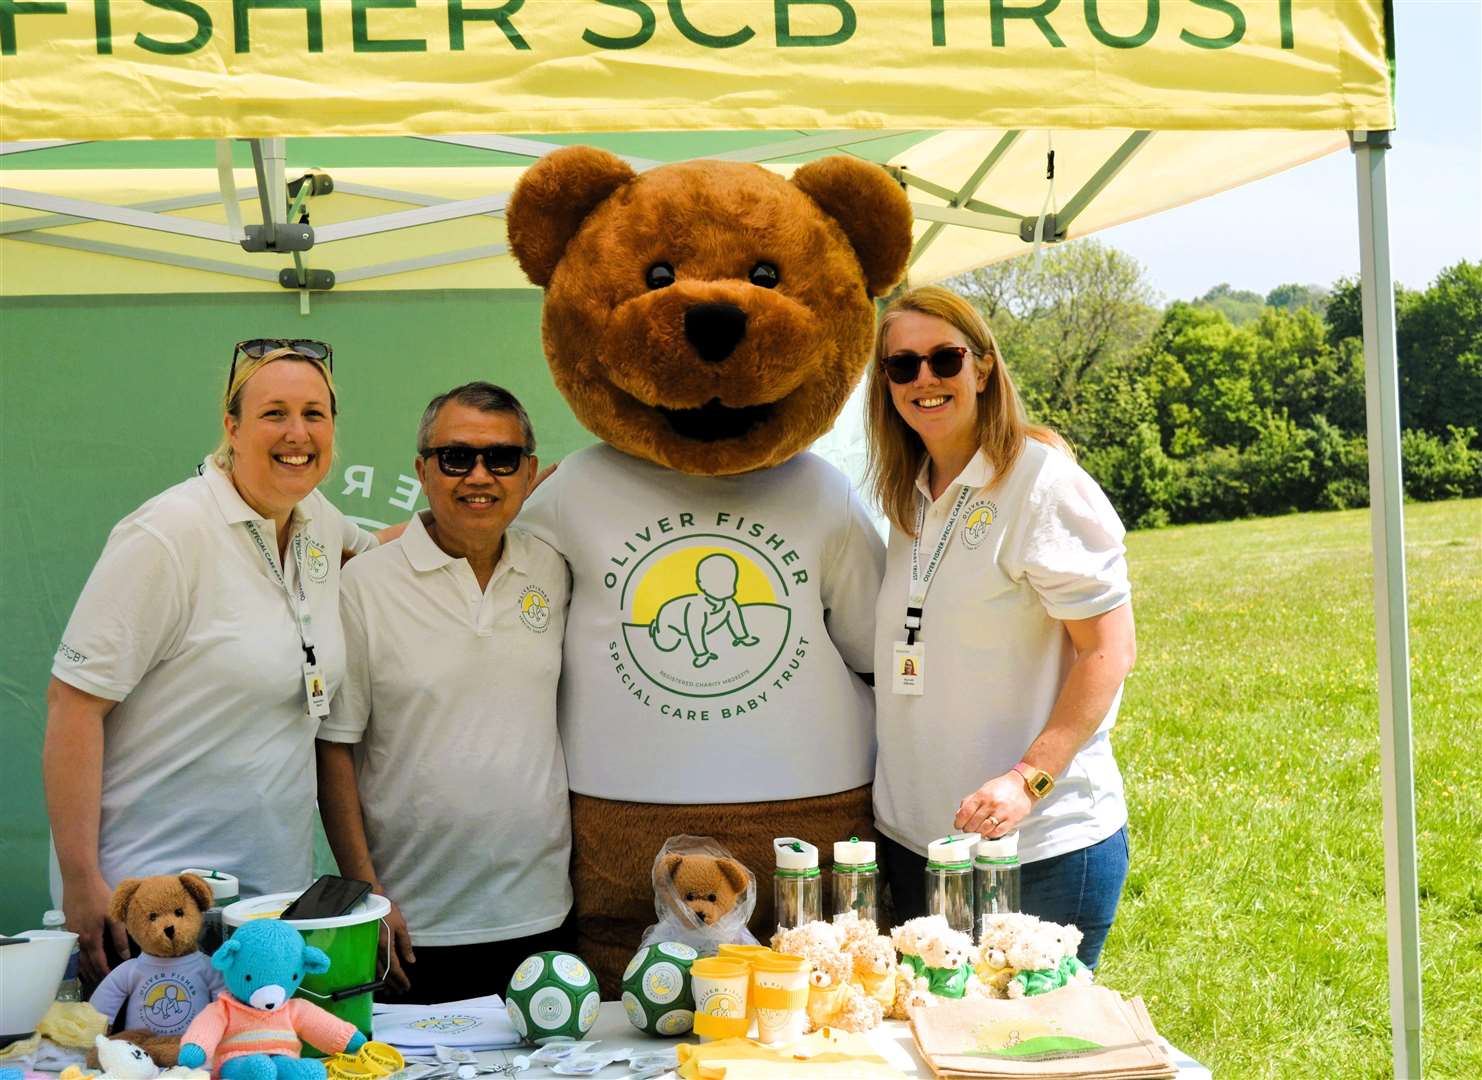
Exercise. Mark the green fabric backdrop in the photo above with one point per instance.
(107, 400)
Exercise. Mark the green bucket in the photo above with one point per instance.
(351, 942)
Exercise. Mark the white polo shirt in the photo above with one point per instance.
(450, 697)
(1040, 545)
(208, 757)
(716, 622)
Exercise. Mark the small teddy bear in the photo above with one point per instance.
(252, 1031)
(703, 888)
(123, 1060)
(834, 999)
(936, 963)
(872, 954)
(1045, 959)
(999, 934)
(172, 981)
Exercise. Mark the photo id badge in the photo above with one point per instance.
(907, 669)
(318, 692)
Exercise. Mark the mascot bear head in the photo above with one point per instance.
(708, 316)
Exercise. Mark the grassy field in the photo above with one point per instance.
(1253, 921)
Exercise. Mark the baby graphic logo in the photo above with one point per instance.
(975, 529)
(446, 1022)
(166, 1005)
(1029, 1039)
(166, 1008)
(704, 619)
(316, 562)
(535, 609)
(697, 620)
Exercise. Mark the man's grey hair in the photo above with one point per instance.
(483, 396)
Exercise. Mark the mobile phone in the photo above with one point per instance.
(326, 898)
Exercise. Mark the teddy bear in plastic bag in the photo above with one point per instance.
(703, 896)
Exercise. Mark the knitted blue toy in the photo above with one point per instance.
(252, 1031)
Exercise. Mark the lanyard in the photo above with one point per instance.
(921, 581)
(298, 599)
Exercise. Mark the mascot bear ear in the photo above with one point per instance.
(870, 207)
(551, 201)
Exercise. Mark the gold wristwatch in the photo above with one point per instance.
(1039, 782)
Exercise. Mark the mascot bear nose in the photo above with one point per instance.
(170, 932)
(715, 329)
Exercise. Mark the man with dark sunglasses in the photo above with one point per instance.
(441, 775)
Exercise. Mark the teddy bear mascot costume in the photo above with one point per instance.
(707, 320)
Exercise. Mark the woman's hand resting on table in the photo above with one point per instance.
(995, 808)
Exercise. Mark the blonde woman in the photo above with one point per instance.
(200, 656)
(1003, 627)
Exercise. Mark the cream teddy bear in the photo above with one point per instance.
(1000, 933)
(936, 962)
(1020, 955)
(834, 1000)
(1045, 959)
(873, 956)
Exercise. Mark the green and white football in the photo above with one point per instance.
(552, 996)
(657, 994)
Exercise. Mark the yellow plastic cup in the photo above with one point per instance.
(748, 955)
(779, 996)
(720, 986)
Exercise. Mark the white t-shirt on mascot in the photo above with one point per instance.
(715, 626)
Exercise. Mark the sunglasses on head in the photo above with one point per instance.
(501, 459)
(945, 362)
(254, 348)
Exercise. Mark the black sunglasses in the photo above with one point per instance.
(944, 362)
(254, 348)
(501, 459)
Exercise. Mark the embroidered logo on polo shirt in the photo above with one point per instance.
(979, 518)
(535, 608)
(316, 562)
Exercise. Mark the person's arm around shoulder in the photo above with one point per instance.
(339, 795)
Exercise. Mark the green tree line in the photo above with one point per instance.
(1236, 404)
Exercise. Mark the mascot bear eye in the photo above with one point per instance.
(659, 275)
(153, 915)
(689, 898)
(764, 275)
(711, 898)
(179, 913)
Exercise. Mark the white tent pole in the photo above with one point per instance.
(1386, 524)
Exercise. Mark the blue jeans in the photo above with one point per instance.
(1080, 888)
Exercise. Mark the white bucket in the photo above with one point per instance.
(29, 976)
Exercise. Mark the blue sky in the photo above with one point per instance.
(1302, 224)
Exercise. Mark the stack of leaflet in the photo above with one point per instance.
(473, 1024)
(1077, 1033)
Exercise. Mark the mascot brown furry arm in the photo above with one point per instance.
(707, 321)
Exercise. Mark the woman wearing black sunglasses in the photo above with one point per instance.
(206, 645)
(1003, 627)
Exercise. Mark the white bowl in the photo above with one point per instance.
(29, 975)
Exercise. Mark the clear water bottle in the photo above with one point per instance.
(224, 890)
(996, 877)
(797, 884)
(949, 879)
(70, 988)
(856, 879)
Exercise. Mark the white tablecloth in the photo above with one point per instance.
(892, 1040)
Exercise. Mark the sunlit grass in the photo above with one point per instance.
(1253, 920)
